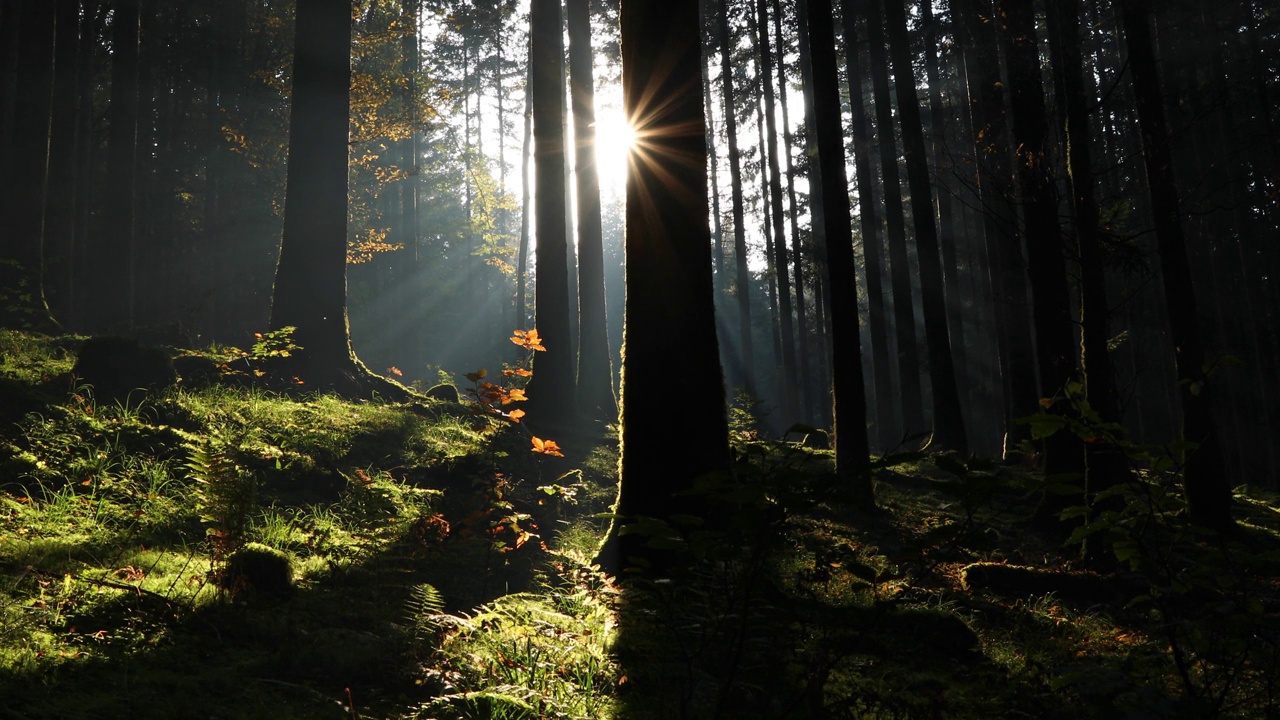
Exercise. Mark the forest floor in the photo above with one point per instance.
(217, 550)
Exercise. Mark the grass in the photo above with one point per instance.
(441, 570)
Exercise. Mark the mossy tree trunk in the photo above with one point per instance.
(674, 423)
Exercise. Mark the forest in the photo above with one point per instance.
(620, 358)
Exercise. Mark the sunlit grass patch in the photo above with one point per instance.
(526, 655)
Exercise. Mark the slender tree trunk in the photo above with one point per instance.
(64, 139)
(522, 257)
(821, 298)
(787, 386)
(886, 430)
(1104, 464)
(111, 267)
(947, 236)
(23, 286)
(899, 271)
(802, 331)
(1046, 264)
(948, 421)
(1208, 491)
(551, 389)
(742, 282)
(595, 386)
(848, 392)
(1008, 277)
(717, 221)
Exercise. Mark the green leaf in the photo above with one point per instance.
(1043, 425)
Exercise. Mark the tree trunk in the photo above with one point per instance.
(22, 287)
(1046, 264)
(1007, 275)
(787, 386)
(1208, 491)
(670, 336)
(885, 428)
(1104, 464)
(551, 389)
(848, 393)
(821, 298)
(595, 386)
(64, 139)
(948, 422)
(899, 271)
(522, 257)
(803, 338)
(940, 156)
(110, 292)
(742, 281)
(311, 277)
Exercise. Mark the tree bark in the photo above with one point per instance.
(310, 291)
(742, 278)
(595, 374)
(551, 389)
(948, 421)
(1208, 491)
(24, 303)
(670, 337)
(911, 395)
(848, 392)
(885, 428)
(787, 376)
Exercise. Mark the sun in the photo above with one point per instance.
(614, 141)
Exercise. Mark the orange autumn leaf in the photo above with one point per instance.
(546, 447)
(515, 415)
(528, 339)
(514, 395)
(1046, 403)
(393, 370)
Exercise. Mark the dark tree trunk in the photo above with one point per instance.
(818, 239)
(1006, 271)
(948, 421)
(670, 336)
(742, 278)
(23, 286)
(886, 430)
(803, 338)
(1208, 491)
(595, 374)
(911, 395)
(64, 139)
(522, 257)
(1105, 465)
(940, 156)
(848, 393)
(311, 277)
(551, 389)
(111, 288)
(717, 221)
(1046, 263)
(787, 376)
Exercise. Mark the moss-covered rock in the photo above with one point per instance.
(258, 568)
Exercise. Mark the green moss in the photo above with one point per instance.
(259, 568)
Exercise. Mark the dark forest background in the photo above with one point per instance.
(144, 147)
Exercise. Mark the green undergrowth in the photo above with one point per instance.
(218, 550)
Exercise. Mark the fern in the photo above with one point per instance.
(226, 493)
(426, 615)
